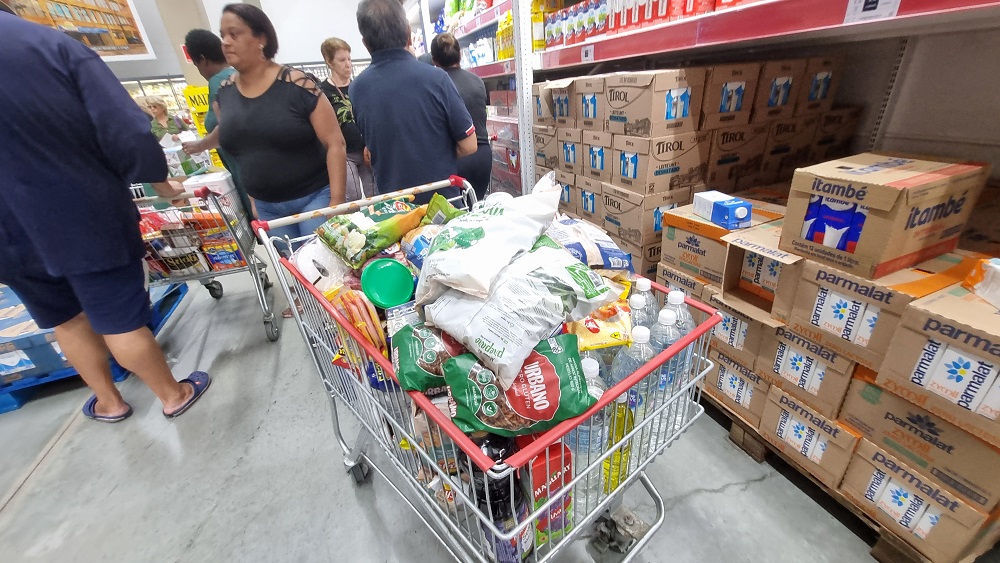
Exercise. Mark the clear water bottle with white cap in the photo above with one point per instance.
(640, 314)
(662, 336)
(675, 303)
(627, 362)
(587, 442)
(644, 287)
(602, 364)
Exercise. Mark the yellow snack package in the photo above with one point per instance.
(611, 325)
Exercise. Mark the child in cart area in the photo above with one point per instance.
(70, 247)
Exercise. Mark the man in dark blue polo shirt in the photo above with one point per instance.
(413, 120)
(71, 143)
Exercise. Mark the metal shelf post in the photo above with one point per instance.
(524, 74)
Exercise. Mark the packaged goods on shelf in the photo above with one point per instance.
(946, 353)
(668, 276)
(724, 210)
(813, 374)
(735, 157)
(654, 103)
(910, 502)
(564, 101)
(778, 89)
(598, 152)
(645, 257)
(729, 91)
(591, 104)
(548, 153)
(761, 278)
(638, 218)
(590, 204)
(858, 317)
(661, 164)
(739, 335)
(737, 387)
(964, 464)
(689, 8)
(874, 214)
(820, 86)
(570, 144)
(541, 100)
(568, 199)
(820, 445)
(789, 143)
(834, 133)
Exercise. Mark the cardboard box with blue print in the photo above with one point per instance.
(660, 164)
(591, 103)
(963, 464)
(672, 278)
(737, 387)
(729, 92)
(739, 335)
(911, 502)
(638, 218)
(810, 372)
(645, 258)
(946, 356)
(821, 446)
(570, 148)
(547, 149)
(564, 101)
(654, 103)
(834, 133)
(758, 275)
(568, 198)
(875, 214)
(589, 201)
(735, 157)
(858, 317)
(820, 86)
(778, 89)
(598, 152)
(788, 145)
(540, 171)
(541, 101)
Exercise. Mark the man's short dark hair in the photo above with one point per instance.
(383, 25)
(446, 50)
(259, 24)
(203, 44)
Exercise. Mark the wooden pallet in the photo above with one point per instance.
(889, 548)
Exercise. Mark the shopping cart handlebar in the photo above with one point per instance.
(350, 207)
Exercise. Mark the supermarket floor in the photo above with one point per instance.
(253, 473)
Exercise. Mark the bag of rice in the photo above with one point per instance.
(547, 389)
(530, 299)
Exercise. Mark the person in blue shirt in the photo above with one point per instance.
(72, 141)
(414, 122)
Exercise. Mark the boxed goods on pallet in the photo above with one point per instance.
(778, 89)
(737, 386)
(834, 132)
(820, 86)
(819, 445)
(758, 273)
(570, 147)
(591, 105)
(789, 143)
(597, 155)
(645, 257)
(540, 171)
(590, 204)
(547, 150)
(729, 91)
(563, 93)
(660, 164)
(982, 231)
(874, 214)
(654, 103)
(735, 157)
(964, 464)
(638, 218)
(858, 317)
(675, 279)
(739, 335)
(946, 354)
(814, 374)
(911, 502)
(541, 100)
(568, 198)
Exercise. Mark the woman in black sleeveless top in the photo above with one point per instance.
(277, 126)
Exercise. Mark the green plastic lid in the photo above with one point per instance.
(387, 283)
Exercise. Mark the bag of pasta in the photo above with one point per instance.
(418, 354)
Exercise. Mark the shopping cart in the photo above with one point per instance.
(532, 503)
(206, 237)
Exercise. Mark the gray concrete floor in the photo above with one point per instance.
(253, 473)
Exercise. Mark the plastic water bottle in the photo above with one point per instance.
(662, 336)
(587, 442)
(644, 288)
(602, 364)
(632, 410)
(640, 315)
(675, 303)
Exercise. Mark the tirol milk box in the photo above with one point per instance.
(654, 103)
(778, 89)
(822, 77)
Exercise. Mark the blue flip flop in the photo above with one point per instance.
(89, 412)
(200, 381)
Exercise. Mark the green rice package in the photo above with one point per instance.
(549, 388)
(418, 355)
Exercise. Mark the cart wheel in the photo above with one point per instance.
(359, 472)
(214, 289)
(265, 281)
(272, 331)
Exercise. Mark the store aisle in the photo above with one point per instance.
(252, 473)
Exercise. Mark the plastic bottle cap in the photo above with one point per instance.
(640, 335)
(643, 284)
(667, 317)
(741, 212)
(637, 301)
(590, 367)
(675, 297)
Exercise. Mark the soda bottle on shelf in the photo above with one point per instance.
(662, 336)
(587, 442)
(640, 315)
(630, 407)
(644, 288)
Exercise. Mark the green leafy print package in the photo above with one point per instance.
(440, 211)
(468, 254)
(358, 236)
(418, 354)
(547, 389)
(530, 299)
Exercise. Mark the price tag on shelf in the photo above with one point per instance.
(868, 10)
(508, 68)
(587, 54)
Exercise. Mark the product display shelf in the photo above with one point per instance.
(484, 19)
(764, 21)
(492, 70)
(889, 548)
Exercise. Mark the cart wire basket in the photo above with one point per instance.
(534, 502)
